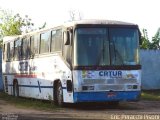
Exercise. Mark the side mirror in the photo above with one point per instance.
(67, 38)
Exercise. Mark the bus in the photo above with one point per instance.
(78, 61)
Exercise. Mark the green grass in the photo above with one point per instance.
(151, 95)
(28, 102)
(48, 105)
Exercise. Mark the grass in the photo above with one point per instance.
(151, 95)
(48, 105)
(28, 102)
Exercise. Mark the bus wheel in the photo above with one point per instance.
(15, 89)
(59, 94)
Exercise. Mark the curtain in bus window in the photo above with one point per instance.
(11, 50)
(8, 51)
(18, 49)
(4, 51)
(34, 42)
(25, 48)
(56, 42)
(125, 46)
(45, 42)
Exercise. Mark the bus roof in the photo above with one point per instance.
(72, 24)
(98, 22)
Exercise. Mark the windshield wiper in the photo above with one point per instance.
(116, 52)
(100, 55)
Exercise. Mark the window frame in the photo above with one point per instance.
(61, 42)
(48, 33)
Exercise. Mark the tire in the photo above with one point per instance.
(59, 95)
(16, 89)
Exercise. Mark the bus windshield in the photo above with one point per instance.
(106, 46)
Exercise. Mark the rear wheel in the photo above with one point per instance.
(15, 89)
(59, 94)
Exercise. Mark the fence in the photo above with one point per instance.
(150, 61)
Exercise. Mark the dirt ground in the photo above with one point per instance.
(126, 110)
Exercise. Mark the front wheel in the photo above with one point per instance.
(59, 94)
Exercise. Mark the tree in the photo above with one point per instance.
(75, 15)
(156, 41)
(43, 26)
(145, 40)
(13, 24)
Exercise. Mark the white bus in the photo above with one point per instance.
(80, 61)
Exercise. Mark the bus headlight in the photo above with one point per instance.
(87, 87)
(132, 86)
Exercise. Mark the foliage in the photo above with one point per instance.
(156, 41)
(13, 24)
(43, 26)
(153, 44)
(151, 95)
(144, 40)
(75, 15)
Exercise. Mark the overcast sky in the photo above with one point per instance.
(145, 13)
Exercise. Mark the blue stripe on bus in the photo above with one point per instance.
(35, 86)
(104, 96)
(39, 86)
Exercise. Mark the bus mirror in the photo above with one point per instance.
(67, 38)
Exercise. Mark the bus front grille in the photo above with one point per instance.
(109, 81)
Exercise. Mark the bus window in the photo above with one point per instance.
(44, 42)
(34, 41)
(17, 49)
(25, 48)
(56, 41)
(4, 52)
(8, 51)
(11, 50)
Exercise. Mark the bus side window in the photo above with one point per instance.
(56, 41)
(18, 49)
(34, 43)
(67, 48)
(8, 52)
(45, 42)
(4, 52)
(25, 48)
(32, 46)
(11, 50)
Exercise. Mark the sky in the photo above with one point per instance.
(145, 13)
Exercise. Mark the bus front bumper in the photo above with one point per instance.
(106, 96)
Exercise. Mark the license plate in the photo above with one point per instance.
(111, 94)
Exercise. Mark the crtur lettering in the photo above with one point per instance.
(105, 73)
(114, 74)
(111, 73)
(119, 73)
(101, 73)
